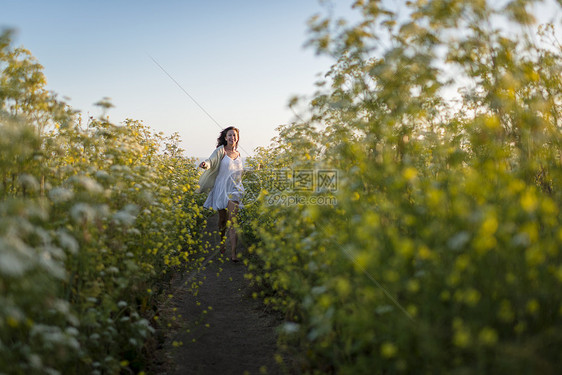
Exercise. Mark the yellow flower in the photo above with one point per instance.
(410, 173)
(472, 297)
(391, 276)
(343, 287)
(462, 262)
(413, 286)
(533, 306)
(325, 301)
(461, 338)
(489, 226)
(12, 322)
(434, 198)
(425, 253)
(488, 336)
(412, 310)
(492, 122)
(529, 201)
(505, 312)
(388, 350)
(362, 260)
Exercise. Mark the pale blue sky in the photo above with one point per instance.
(241, 60)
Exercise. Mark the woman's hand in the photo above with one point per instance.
(203, 165)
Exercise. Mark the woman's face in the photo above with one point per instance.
(231, 137)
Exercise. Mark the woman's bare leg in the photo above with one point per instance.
(223, 218)
(232, 209)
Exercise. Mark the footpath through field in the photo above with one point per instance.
(223, 330)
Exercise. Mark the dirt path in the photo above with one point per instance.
(223, 330)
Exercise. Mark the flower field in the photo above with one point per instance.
(441, 252)
(408, 223)
(94, 219)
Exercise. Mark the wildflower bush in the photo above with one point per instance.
(94, 218)
(441, 253)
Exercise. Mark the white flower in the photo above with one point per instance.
(290, 327)
(10, 264)
(82, 212)
(59, 195)
(87, 183)
(67, 241)
(102, 175)
(29, 182)
(124, 218)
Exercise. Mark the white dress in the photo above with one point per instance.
(228, 184)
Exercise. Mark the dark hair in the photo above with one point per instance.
(221, 140)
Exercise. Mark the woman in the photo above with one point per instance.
(223, 176)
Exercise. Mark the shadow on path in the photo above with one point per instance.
(223, 329)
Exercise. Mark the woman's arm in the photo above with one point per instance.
(208, 163)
